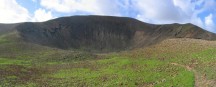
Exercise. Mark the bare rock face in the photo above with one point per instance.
(105, 33)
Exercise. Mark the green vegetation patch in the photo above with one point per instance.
(3, 40)
(76, 73)
(6, 61)
(123, 71)
(182, 79)
(205, 55)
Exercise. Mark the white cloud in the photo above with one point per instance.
(197, 21)
(164, 11)
(41, 15)
(34, 0)
(185, 5)
(12, 12)
(153, 11)
(209, 23)
(99, 7)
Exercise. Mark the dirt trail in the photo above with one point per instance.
(200, 80)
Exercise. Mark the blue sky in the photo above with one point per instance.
(199, 12)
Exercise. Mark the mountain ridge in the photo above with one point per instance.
(104, 33)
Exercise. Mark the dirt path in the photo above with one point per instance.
(200, 80)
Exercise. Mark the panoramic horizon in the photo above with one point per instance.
(198, 12)
(124, 43)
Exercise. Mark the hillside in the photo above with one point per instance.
(61, 53)
(105, 33)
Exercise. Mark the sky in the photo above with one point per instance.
(198, 12)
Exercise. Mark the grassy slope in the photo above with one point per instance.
(30, 65)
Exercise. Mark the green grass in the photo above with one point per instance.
(206, 62)
(6, 61)
(120, 71)
(183, 79)
(2, 39)
(205, 55)
(30, 65)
